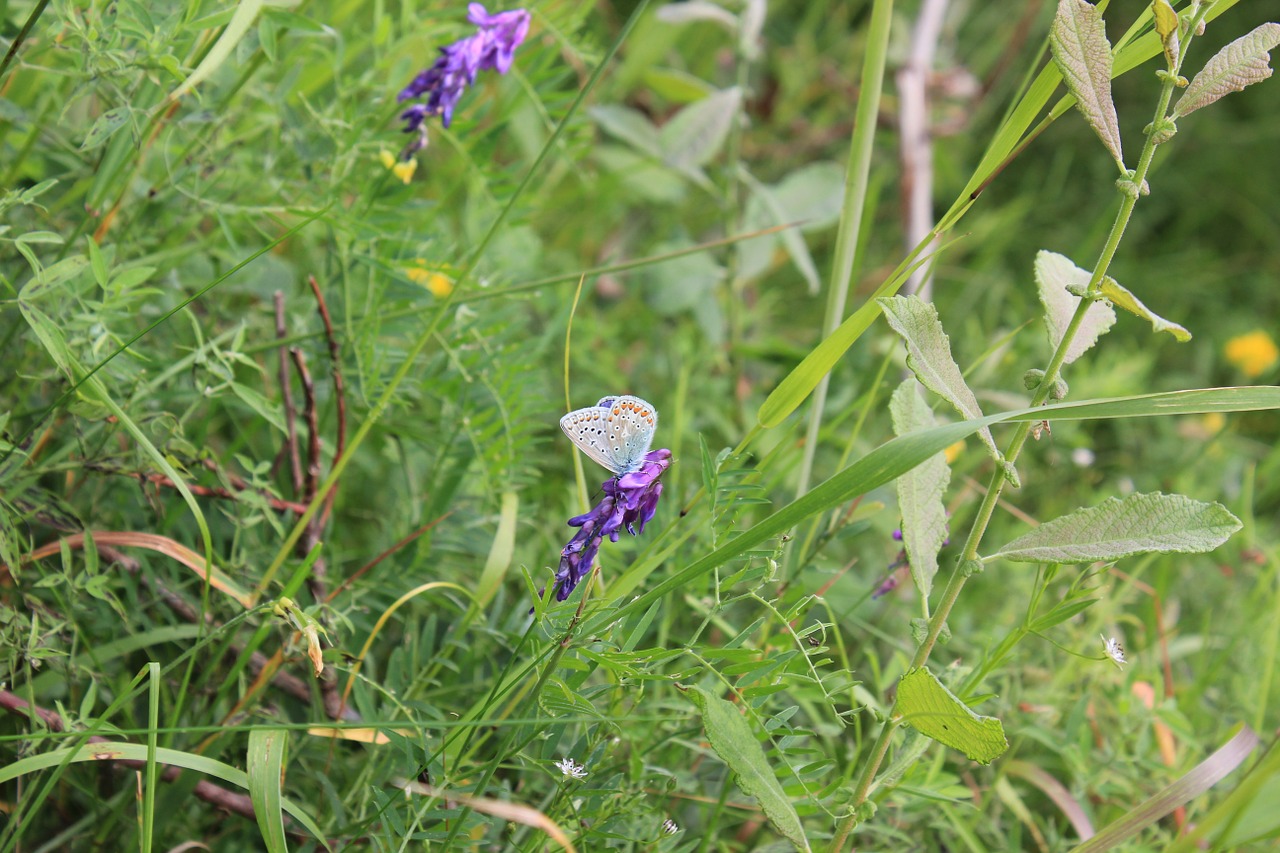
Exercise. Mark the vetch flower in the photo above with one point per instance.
(629, 502)
(571, 769)
(1253, 354)
(670, 827)
(491, 48)
(1111, 647)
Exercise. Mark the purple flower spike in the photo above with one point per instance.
(629, 501)
(491, 48)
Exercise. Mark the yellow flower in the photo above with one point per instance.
(438, 283)
(402, 169)
(1253, 353)
(952, 451)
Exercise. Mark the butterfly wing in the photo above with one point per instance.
(616, 433)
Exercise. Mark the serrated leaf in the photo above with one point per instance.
(693, 137)
(934, 711)
(732, 739)
(1123, 527)
(1054, 273)
(631, 126)
(929, 357)
(1114, 291)
(920, 490)
(1246, 60)
(1083, 56)
(106, 126)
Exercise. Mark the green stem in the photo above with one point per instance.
(995, 488)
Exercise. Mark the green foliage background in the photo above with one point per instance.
(277, 156)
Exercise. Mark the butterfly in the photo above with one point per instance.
(616, 432)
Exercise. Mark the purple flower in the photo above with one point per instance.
(491, 48)
(629, 502)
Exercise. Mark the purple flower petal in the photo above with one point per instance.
(629, 502)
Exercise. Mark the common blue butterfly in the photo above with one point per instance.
(616, 432)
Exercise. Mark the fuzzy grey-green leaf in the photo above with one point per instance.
(920, 490)
(1123, 527)
(732, 739)
(1082, 53)
(1246, 60)
(1054, 273)
(929, 357)
(693, 137)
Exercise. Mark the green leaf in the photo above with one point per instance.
(694, 136)
(106, 126)
(808, 199)
(631, 126)
(49, 278)
(246, 13)
(266, 409)
(1114, 291)
(791, 238)
(732, 739)
(934, 711)
(676, 86)
(1122, 527)
(929, 357)
(99, 263)
(1246, 60)
(1054, 274)
(920, 490)
(36, 237)
(127, 280)
(501, 552)
(264, 764)
(1083, 56)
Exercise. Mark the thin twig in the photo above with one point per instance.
(205, 491)
(286, 394)
(311, 478)
(333, 704)
(339, 390)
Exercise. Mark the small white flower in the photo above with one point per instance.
(1112, 650)
(571, 769)
(670, 827)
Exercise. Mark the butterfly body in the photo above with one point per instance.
(616, 432)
